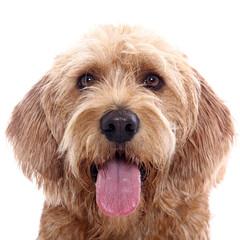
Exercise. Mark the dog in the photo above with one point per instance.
(125, 138)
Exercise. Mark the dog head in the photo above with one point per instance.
(122, 106)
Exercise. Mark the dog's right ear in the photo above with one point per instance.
(34, 145)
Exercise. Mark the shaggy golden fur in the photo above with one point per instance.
(183, 141)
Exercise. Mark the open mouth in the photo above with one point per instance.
(144, 172)
(118, 185)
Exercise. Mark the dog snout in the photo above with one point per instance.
(119, 125)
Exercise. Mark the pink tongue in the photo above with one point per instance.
(118, 188)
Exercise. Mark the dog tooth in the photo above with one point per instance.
(136, 162)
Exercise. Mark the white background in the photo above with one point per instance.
(33, 32)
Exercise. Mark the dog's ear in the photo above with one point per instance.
(205, 153)
(34, 145)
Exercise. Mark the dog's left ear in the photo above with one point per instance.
(34, 145)
(205, 153)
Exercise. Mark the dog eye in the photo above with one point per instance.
(153, 81)
(86, 80)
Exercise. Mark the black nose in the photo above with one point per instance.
(119, 125)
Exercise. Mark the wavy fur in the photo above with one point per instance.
(184, 138)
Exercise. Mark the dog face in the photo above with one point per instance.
(122, 103)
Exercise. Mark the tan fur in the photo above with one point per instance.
(186, 133)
